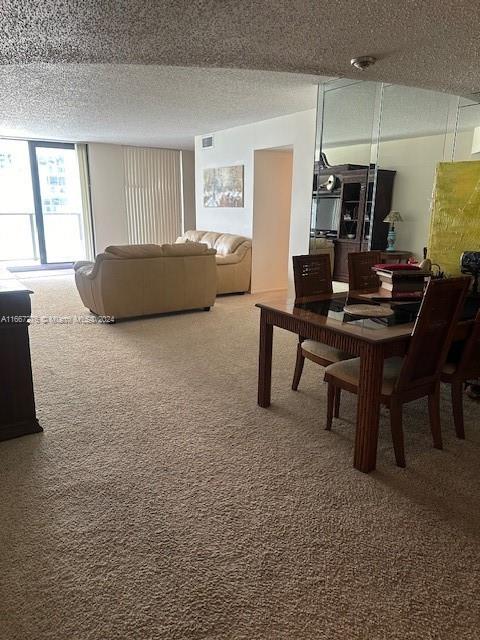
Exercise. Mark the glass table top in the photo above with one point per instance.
(403, 312)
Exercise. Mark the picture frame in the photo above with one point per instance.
(223, 187)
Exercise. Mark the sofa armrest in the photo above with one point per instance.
(230, 258)
(82, 263)
(90, 269)
(86, 271)
(242, 250)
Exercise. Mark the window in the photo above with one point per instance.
(41, 215)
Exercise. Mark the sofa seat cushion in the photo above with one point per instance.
(135, 250)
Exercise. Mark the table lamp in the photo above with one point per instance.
(392, 218)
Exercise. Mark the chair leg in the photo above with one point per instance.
(331, 395)
(457, 406)
(397, 433)
(298, 367)
(338, 396)
(434, 413)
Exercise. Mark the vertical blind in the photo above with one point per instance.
(153, 194)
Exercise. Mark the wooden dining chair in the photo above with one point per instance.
(418, 373)
(457, 373)
(360, 274)
(313, 277)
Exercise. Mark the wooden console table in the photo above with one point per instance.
(395, 256)
(17, 404)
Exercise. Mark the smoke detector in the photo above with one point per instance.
(362, 62)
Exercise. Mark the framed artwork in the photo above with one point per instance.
(223, 186)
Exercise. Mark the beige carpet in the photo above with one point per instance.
(161, 502)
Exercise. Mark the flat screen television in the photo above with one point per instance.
(326, 214)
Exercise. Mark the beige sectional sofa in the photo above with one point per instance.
(233, 258)
(138, 280)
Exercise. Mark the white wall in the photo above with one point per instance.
(107, 187)
(464, 146)
(415, 161)
(272, 196)
(237, 146)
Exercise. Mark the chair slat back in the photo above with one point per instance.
(312, 275)
(469, 365)
(433, 332)
(360, 274)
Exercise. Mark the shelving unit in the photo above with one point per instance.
(361, 207)
(352, 204)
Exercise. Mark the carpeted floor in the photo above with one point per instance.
(162, 503)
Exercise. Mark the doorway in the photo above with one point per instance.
(41, 213)
(272, 202)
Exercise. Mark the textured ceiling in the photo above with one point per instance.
(130, 71)
(427, 43)
(142, 104)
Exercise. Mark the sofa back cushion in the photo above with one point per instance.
(224, 243)
(192, 236)
(135, 251)
(209, 238)
(186, 249)
(228, 243)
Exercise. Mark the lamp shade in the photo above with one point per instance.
(393, 216)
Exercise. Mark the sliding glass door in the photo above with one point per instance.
(41, 219)
(58, 202)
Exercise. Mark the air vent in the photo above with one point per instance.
(207, 142)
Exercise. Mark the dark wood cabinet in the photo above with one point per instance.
(381, 203)
(351, 212)
(17, 404)
(340, 264)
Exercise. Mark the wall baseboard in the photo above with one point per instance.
(283, 290)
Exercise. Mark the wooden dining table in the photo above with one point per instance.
(322, 319)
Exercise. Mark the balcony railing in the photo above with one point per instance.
(63, 236)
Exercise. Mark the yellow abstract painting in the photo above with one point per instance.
(455, 221)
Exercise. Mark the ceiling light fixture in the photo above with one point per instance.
(362, 62)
